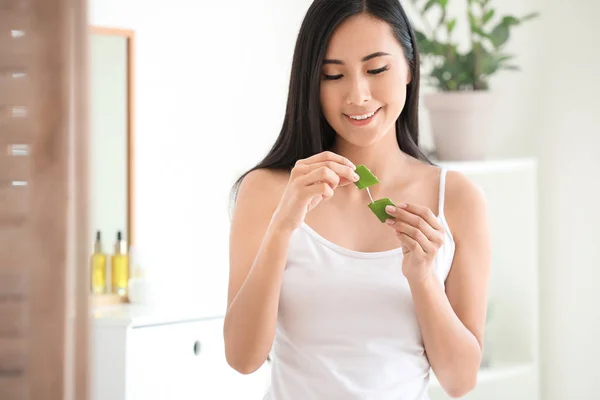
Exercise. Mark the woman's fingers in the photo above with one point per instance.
(319, 175)
(408, 244)
(327, 156)
(404, 230)
(345, 172)
(415, 212)
(418, 218)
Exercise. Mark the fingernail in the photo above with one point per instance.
(356, 177)
(402, 205)
(389, 221)
(390, 209)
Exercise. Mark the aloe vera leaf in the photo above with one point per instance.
(378, 208)
(366, 177)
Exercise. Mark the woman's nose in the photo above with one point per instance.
(358, 93)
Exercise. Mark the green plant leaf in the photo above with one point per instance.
(472, 20)
(499, 35)
(489, 64)
(420, 36)
(510, 21)
(450, 26)
(451, 69)
(478, 31)
(426, 46)
(506, 57)
(487, 17)
(527, 17)
(428, 5)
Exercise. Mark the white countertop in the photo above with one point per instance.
(136, 315)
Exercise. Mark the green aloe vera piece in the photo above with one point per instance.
(378, 208)
(366, 177)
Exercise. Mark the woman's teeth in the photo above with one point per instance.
(364, 116)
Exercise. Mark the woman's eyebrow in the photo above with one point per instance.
(365, 58)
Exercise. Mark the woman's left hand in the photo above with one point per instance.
(421, 235)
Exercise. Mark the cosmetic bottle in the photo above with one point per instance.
(98, 267)
(120, 267)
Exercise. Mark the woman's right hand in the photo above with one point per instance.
(312, 180)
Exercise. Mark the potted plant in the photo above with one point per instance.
(459, 109)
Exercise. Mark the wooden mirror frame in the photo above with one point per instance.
(130, 38)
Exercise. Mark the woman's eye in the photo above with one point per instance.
(372, 72)
(332, 77)
(378, 71)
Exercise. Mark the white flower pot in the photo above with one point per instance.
(459, 123)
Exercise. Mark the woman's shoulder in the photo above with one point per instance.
(461, 191)
(265, 179)
(465, 202)
(263, 186)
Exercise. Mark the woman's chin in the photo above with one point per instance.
(362, 138)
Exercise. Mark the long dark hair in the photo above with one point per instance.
(305, 130)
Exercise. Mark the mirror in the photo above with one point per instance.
(111, 128)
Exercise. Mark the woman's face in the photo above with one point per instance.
(364, 72)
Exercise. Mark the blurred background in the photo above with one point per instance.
(184, 97)
(210, 90)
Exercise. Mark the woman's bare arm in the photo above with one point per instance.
(452, 323)
(270, 206)
(258, 253)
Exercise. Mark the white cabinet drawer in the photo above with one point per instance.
(166, 361)
(184, 361)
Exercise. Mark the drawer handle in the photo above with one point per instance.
(197, 347)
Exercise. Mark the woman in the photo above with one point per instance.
(353, 308)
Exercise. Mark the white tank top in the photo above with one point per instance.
(346, 326)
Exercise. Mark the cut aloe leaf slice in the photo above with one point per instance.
(366, 177)
(378, 208)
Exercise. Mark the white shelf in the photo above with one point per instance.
(488, 166)
(495, 374)
(504, 373)
(497, 383)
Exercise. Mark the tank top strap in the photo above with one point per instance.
(442, 194)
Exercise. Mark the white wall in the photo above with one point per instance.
(211, 84)
(211, 81)
(567, 142)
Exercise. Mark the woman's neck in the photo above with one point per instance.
(384, 158)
